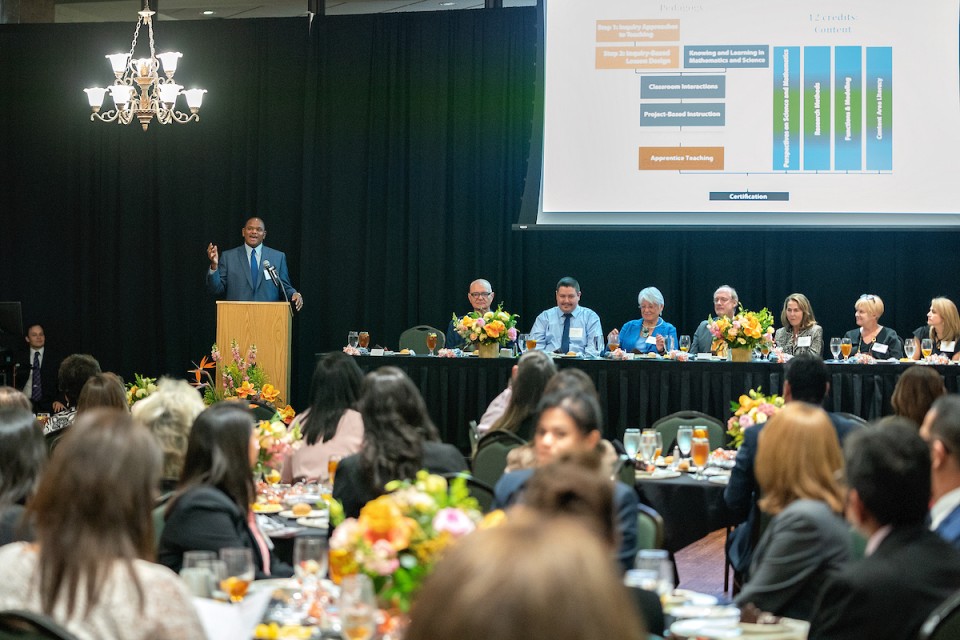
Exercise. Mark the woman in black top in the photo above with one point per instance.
(943, 329)
(872, 338)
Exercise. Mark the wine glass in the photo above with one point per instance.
(684, 343)
(700, 453)
(684, 438)
(310, 559)
(358, 608)
(364, 339)
(659, 445)
(195, 575)
(835, 347)
(353, 339)
(431, 342)
(648, 445)
(910, 347)
(631, 442)
(926, 347)
(522, 343)
(846, 346)
(239, 567)
(656, 561)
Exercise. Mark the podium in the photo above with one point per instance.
(265, 324)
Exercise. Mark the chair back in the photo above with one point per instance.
(474, 438)
(28, 625)
(649, 528)
(944, 622)
(158, 514)
(491, 457)
(477, 488)
(852, 417)
(668, 426)
(415, 338)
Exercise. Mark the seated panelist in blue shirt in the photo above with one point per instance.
(568, 327)
(649, 334)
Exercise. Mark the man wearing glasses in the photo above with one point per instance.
(481, 296)
(725, 303)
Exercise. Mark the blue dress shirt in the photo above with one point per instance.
(548, 330)
(630, 338)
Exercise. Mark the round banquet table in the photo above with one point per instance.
(691, 509)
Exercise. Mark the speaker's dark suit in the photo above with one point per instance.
(888, 595)
(232, 280)
(49, 368)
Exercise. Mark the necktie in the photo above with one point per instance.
(254, 268)
(565, 336)
(35, 390)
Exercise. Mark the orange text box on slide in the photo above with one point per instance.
(638, 57)
(653, 30)
(681, 158)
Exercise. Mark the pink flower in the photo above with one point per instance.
(383, 560)
(768, 408)
(345, 534)
(479, 323)
(453, 521)
(745, 421)
(512, 334)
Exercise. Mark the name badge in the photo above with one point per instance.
(948, 346)
(804, 341)
(880, 348)
(651, 340)
(576, 332)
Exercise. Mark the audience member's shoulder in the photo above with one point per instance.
(203, 497)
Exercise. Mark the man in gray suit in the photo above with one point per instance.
(241, 273)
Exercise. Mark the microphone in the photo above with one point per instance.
(272, 272)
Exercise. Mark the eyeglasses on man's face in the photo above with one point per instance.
(476, 295)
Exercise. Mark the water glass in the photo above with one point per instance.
(310, 558)
(239, 569)
(658, 561)
(648, 445)
(353, 339)
(522, 343)
(909, 347)
(358, 608)
(684, 439)
(684, 343)
(631, 442)
(835, 347)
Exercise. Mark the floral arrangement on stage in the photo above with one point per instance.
(746, 330)
(240, 378)
(751, 409)
(400, 536)
(140, 388)
(277, 439)
(487, 328)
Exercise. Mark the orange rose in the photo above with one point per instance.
(269, 392)
(245, 389)
(382, 519)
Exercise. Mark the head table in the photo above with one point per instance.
(635, 393)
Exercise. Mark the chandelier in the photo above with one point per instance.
(139, 91)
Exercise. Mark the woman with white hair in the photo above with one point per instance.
(649, 334)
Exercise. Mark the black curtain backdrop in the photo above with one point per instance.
(387, 154)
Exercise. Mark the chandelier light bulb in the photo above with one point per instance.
(121, 94)
(169, 62)
(119, 62)
(194, 98)
(95, 95)
(169, 93)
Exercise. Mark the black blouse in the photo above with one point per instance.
(886, 336)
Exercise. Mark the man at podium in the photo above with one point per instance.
(248, 273)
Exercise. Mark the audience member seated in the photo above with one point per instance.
(399, 439)
(725, 302)
(10, 397)
(22, 456)
(908, 570)
(649, 334)
(169, 413)
(90, 568)
(872, 338)
(211, 508)
(800, 333)
(943, 330)
(74, 372)
(530, 376)
(104, 390)
(570, 422)
(798, 460)
(561, 586)
(941, 430)
(331, 426)
(805, 380)
(568, 327)
(916, 390)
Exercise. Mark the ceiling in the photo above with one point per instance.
(126, 10)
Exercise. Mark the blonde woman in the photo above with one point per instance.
(798, 460)
(800, 332)
(943, 329)
(873, 338)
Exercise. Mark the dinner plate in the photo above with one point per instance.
(721, 480)
(316, 523)
(706, 611)
(659, 474)
(259, 507)
(704, 628)
(695, 598)
(314, 513)
(272, 584)
(753, 629)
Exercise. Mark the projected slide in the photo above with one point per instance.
(741, 112)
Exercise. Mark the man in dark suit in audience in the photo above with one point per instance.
(941, 430)
(908, 570)
(481, 297)
(37, 376)
(806, 380)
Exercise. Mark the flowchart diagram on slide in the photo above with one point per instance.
(752, 107)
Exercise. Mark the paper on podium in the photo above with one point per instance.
(224, 621)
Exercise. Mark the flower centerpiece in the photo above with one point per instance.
(140, 388)
(276, 439)
(400, 536)
(751, 409)
(240, 378)
(742, 333)
(487, 331)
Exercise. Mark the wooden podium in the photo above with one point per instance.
(265, 324)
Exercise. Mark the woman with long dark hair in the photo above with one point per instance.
(22, 456)
(90, 569)
(211, 508)
(399, 439)
(534, 370)
(331, 426)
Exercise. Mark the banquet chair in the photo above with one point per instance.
(668, 426)
(478, 489)
(944, 622)
(649, 528)
(852, 417)
(474, 438)
(28, 625)
(491, 457)
(415, 339)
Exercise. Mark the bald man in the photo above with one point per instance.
(481, 296)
